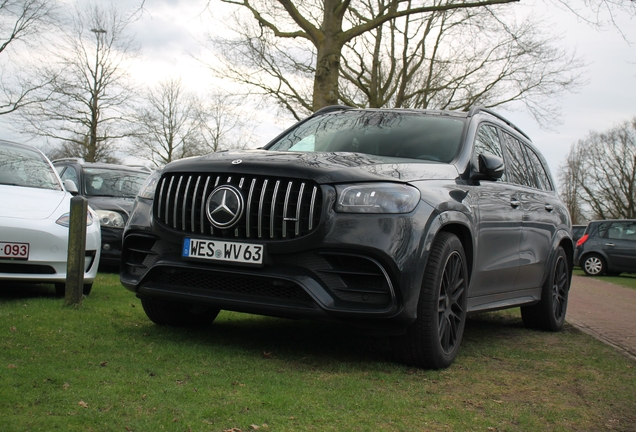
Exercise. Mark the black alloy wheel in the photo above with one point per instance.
(549, 313)
(433, 340)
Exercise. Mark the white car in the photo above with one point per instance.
(34, 220)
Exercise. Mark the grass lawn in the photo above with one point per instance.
(625, 279)
(103, 366)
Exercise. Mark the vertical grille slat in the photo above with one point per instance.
(260, 210)
(194, 203)
(275, 208)
(185, 204)
(299, 203)
(249, 209)
(285, 207)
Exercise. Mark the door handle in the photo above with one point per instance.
(610, 244)
(514, 202)
(549, 207)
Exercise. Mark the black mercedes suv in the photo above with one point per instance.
(399, 221)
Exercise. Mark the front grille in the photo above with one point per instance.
(275, 208)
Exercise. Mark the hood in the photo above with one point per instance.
(32, 203)
(320, 167)
(120, 204)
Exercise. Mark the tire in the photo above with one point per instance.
(549, 313)
(432, 341)
(594, 265)
(162, 312)
(60, 289)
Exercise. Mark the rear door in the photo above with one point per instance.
(620, 246)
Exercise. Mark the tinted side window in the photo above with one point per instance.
(622, 231)
(70, 174)
(541, 177)
(487, 141)
(517, 167)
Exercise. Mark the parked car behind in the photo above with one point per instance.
(577, 232)
(110, 190)
(34, 220)
(397, 221)
(607, 247)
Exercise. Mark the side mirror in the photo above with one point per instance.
(491, 167)
(71, 187)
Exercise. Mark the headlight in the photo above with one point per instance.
(147, 190)
(65, 219)
(376, 198)
(110, 219)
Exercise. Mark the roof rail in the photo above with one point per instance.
(332, 108)
(477, 109)
(143, 167)
(71, 159)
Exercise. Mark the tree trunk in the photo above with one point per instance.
(328, 50)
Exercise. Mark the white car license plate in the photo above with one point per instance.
(14, 250)
(223, 251)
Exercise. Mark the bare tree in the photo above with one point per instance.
(167, 124)
(569, 178)
(455, 60)
(23, 23)
(173, 123)
(327, 25)
(604, 171)
(225, 123)
(88, 89)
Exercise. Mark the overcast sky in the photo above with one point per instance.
(170, 32)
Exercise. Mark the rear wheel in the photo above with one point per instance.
(594, 265)
(433, 340)
(163, 312)
(549, 313)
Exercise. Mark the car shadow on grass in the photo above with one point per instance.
(26, 290)
(321, 343)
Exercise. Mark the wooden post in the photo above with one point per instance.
(76, 251)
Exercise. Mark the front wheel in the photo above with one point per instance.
(162, 312)
(549, 313)
(594, 265)
(433, 340)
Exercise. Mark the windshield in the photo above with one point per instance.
(381, 133)
(23, 167)
(113, 182)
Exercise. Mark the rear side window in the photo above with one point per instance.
(542, 180)
(517, 166)
(622, 231)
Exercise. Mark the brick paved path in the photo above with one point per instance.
(605, 311)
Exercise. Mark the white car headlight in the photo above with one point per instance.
(110, 219)
(376, 198)
(65, 219)
(147, 190)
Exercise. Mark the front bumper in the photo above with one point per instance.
(361, 269)
(48, 251)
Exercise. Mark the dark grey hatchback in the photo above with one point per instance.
(607, 247)
(398, 221)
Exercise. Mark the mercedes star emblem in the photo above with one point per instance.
(224, 206)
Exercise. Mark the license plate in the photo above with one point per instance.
(14, 250)
(223, 251)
